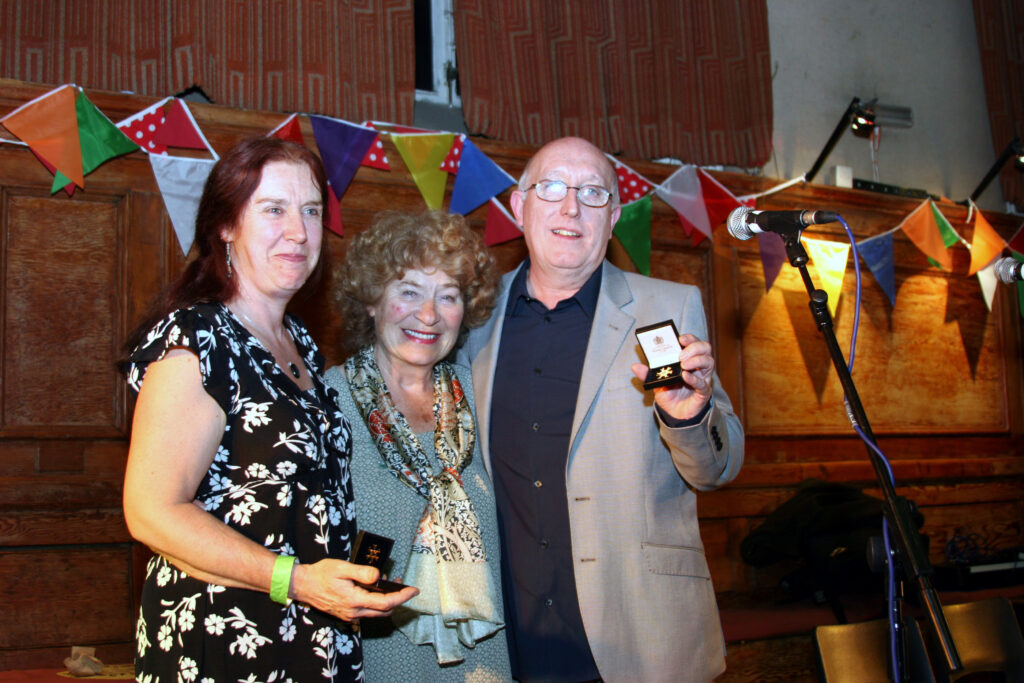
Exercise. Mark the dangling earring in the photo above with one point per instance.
(227, 255)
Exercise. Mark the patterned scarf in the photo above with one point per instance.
(457, 600)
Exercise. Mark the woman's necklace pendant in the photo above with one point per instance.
(294, 369)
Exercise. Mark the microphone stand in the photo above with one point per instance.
(907, 555)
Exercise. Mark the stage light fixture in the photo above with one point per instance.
(1014, 149)
(862, 122)
(862, 118)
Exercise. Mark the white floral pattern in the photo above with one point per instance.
(281, 477)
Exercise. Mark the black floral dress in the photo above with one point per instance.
(280, 477)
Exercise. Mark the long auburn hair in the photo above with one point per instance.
(231, 183)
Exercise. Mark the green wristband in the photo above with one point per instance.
(281, 579)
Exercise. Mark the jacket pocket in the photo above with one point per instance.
(676, 560)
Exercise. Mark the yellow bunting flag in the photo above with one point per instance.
(49, 126)
(423, 155)
(829, 259)
(923, 231)
(985, 245)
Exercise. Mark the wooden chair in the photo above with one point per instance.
(859, 653)
(987, 638)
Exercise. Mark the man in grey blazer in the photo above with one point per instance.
(603, 567)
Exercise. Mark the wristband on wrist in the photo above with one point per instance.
(281, 579)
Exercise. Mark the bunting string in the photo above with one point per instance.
(772, 190)
(71, 138)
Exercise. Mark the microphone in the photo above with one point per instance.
(745, 222)
(1009, 270)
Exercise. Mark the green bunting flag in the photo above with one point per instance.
(99, 139)
(634, 232)
(946, 231)
(949, 236)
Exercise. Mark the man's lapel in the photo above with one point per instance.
(484, 358)
(607, 335)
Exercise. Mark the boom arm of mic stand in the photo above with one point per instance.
(913, 562)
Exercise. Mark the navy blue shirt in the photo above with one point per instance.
(536, 380)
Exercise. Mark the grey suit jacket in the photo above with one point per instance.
(642, 579)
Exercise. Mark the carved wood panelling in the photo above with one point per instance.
(60, 303)
(939, 375)
(93, 605)
(932, 345)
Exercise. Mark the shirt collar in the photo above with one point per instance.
(585, 298)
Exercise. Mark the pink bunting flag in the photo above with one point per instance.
(682, 191)
(141, 128)
(500, 226)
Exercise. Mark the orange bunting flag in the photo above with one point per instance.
(829, 259)
(49, 126)
(986, 244)
(923, 231)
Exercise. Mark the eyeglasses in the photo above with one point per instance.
(556, 190)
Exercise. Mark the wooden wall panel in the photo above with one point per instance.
(924, 366)
(941, 377)
(61, 276)
(95, 607)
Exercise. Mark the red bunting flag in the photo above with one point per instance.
(375, 156)
(141, 128)
(718, 201)
(454, 158)
(289, 130)
(632, 185)
(69, 188)
(500, 226)
(180, 129)
(1017, 243)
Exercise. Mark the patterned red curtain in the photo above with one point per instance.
(351, 59)
(1000, 27)
(691, 80)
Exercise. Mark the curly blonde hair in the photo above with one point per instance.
(397, 242)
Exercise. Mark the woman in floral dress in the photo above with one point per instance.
(239, 458)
